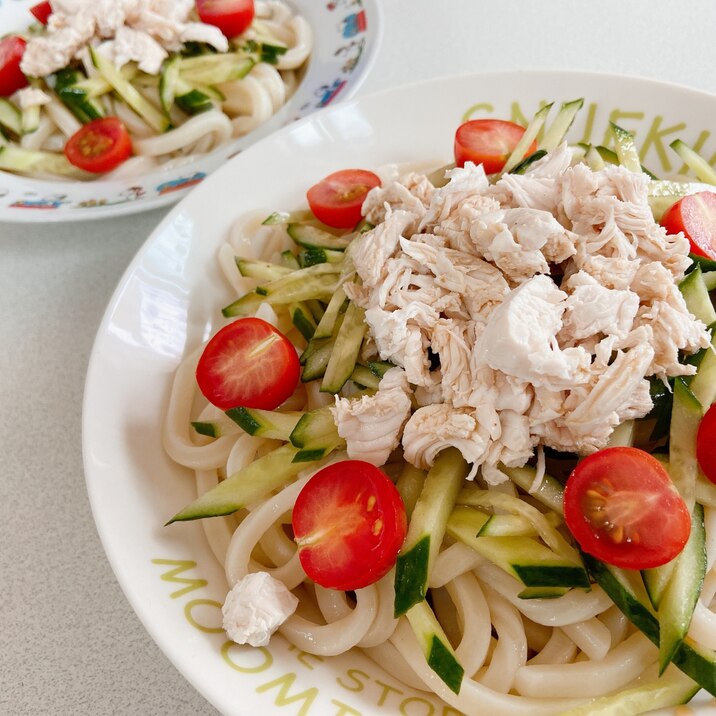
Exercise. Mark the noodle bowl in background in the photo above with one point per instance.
(330, 48)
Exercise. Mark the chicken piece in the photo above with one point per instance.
(450, 341)
(130, 44)
(255, 608)
(520, 338)
(372, 425)
(410, 193)
(370, 252)
(513, 448)
(31, 97)
(592, 309)
(436, 427)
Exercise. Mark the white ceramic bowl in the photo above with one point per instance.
(346, 37)
(169, 301)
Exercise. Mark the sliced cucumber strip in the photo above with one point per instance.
(10, 116)
(410, 484)
(561, 124)
(699, 166)
(247, 305)
(527, 162)
(695, 293)
(435, 645)
(427, 528)
(314, 255)
(345, 350)
(289, 281)
(303, 319)
(312, 237)
(686, 414)
(682, 592)
(531, 132)
(336, 306)
(29, 161)
(145, 109)
(315, 435)
(364, 376)
(285, 217)
(550, 492)
(261, 270)
(265, 423)
(215, 428)
(289, 260)
(77, 99)
(626, 148)
(251, 483)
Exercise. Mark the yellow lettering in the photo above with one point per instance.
(188, 613)
(179, 567)
(476, 108)
(430, 709)
(656, 137)
(617, 116)
(304, 656)
(353, 674)
(516, 114)
(230, 651)
(697, 147)
(386, 689)
(589, 124)
(344, 709)
(283, 699)
(449, 711)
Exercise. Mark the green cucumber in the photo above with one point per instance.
(364, 376)
(669, 690)
(145, 109)
(314, 255)
(285, 217)
(626, 148)
(436, 648)
(527, 162)
(550, 492)
(289, 260)
(215, 428)
(561, 124)
(265, 423)
(10, 116)
(226, 67)
(168, 79)
(312, 237)
(289, 281)
(303, 319)
(380, 367)
(337, 305)
(410, 484)
(710, 280)
(427, 528)
(543, 592)
(315, 435)
(75, 98)
(261, 270)
(29, 161)
(509, 526)
(530, 134)
(346, 349)
(626, 590)
(609, 156)
(703, 384)
(686, 413)
(246, 305)
(682, 592)
(195, 101)
(594, 159)
(696, 295)
(315, 364)
(699, 166)
(529, 561)
(30, 120)
(248, 485)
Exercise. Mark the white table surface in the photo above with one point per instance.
(69, 642)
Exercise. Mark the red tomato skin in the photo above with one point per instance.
(228, 379)
(662, 523)
(488, 142)
(695, 216)
(337, 199)
(99, 146)
(706, 444)
(12, 48)
(232, 17)
(343, 544)
(42, 12)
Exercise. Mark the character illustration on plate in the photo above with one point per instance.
(53, 201)
(354, 24)
(131, 194)
(352, 52)
(180, 183)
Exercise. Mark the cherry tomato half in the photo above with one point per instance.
(12, 48)
(622, 508)
(349, 523)
(42, 11)
(695, 215)
(337, 199)
(249, 364)
(706, 444)
(99, 146)
(232, 17)
(488, 142)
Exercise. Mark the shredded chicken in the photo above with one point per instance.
(549, 299)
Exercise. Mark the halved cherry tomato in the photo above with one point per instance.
(99, 146)
(42, 11)
(12, 48)
(232, 17)
(337, 199)
(488, 142)
(349, 523)
(706, 444)
(622, 508)
(695, 215)
(249, 364)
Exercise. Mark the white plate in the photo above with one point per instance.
(169, 300)
(346, 37)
